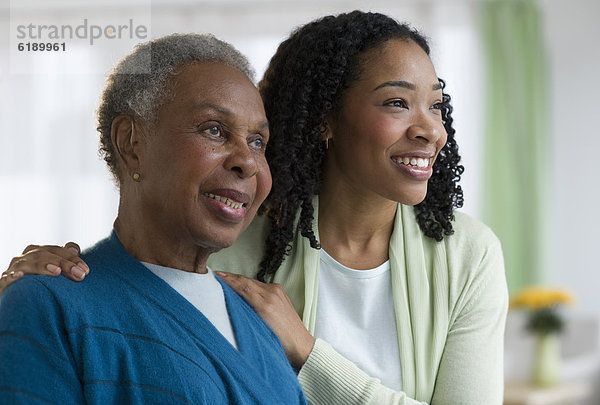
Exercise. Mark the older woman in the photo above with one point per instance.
(185, 139)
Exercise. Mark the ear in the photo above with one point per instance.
(127, 139)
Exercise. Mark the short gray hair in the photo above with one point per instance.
(137, 84)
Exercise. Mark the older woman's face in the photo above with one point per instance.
(204, 167)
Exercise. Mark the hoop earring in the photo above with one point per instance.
(136, 176)
(327, 143)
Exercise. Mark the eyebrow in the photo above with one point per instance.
(211, 106)
(406, 85)
(263, 125)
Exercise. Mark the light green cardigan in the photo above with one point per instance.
(450, 299)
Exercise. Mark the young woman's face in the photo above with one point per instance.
(389, 130)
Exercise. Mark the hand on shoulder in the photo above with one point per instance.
(47, 260)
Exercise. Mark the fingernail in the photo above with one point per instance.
(84, 266)
(78, 272)
(73, 250)
(53, 269)
(220, 274)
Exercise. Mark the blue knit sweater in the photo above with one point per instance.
(125, 336)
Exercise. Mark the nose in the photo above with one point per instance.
(240, 159)
(426, 128)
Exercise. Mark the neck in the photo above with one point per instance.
(355, 227)
(148, 241)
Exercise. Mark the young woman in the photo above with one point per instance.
(402, 300)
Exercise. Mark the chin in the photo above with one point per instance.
(412, 203)
(216, 242)
(412, 199)
(224, 243)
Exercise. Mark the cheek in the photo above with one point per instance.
(198, 159)
(376, 137)
(443, 138)
(264, 182)
(367, 130)
(387, 130)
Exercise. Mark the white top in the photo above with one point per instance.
(201, 290)
(355, 315)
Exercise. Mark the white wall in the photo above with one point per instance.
(572, 32)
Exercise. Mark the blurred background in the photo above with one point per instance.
(522, 75)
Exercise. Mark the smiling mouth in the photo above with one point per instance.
(416, 162)
(227, 201)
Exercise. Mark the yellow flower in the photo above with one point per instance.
(538, 297)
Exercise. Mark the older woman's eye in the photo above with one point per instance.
(258, 143)
(213, 131)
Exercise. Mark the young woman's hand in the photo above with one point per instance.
(272, 304)
(48, 260)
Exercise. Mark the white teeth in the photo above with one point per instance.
(225, 200)
(415, 162)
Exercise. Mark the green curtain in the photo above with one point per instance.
(517, 139)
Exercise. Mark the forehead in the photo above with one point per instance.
(213, 82)
(397, 59)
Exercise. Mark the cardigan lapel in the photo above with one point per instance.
(161, 294)
(299, 274)
(420, 290)
(309, 259)
(399, 266)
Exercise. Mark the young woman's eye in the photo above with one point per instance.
(437, 106)
(399, 103)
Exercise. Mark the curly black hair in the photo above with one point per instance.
(306, 80)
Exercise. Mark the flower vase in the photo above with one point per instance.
(546, 366)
